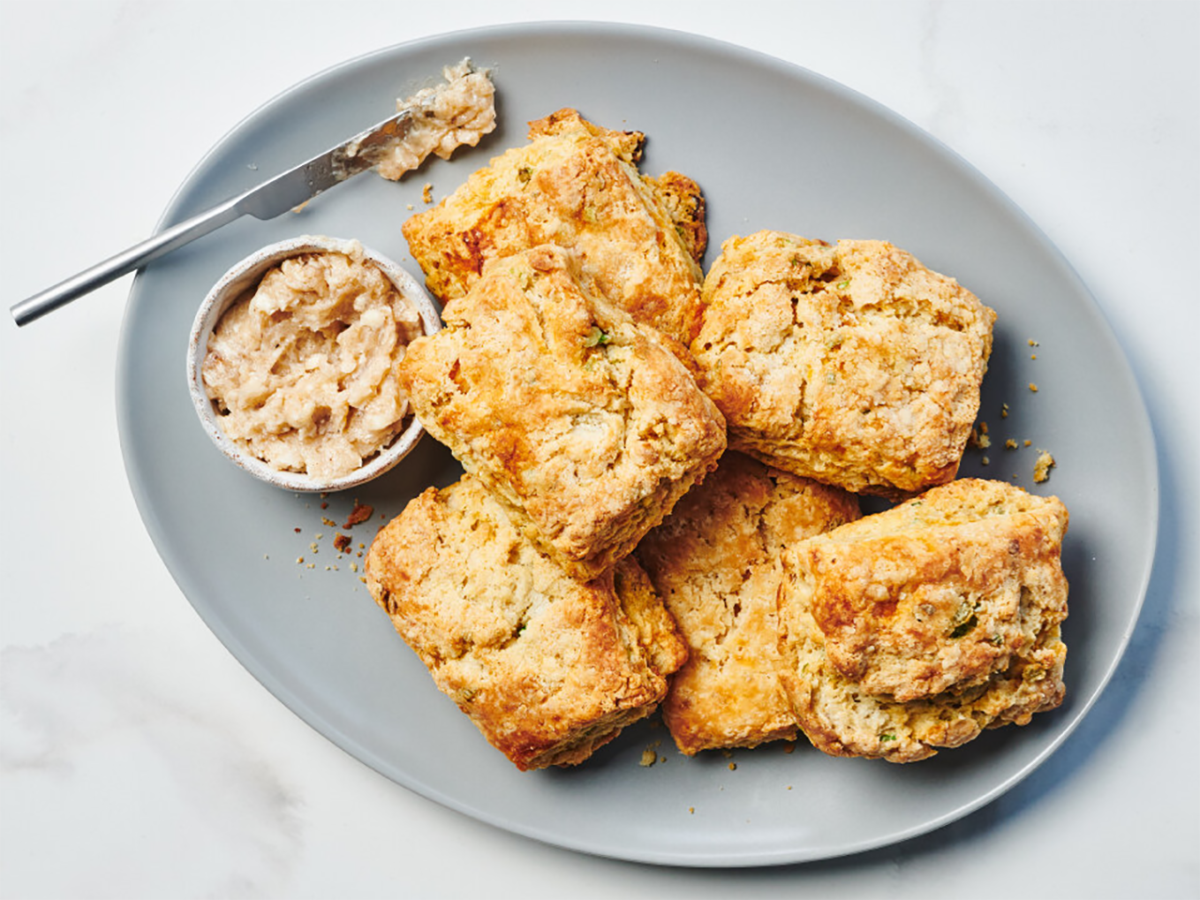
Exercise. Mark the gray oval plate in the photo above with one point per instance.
(773, 146)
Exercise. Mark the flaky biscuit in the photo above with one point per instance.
(916, 627)
(851, 364)
(715, 562)
(576, 185)
(580, 420)
(549, 668)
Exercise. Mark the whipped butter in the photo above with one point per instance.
(450, 115)
(301, 369)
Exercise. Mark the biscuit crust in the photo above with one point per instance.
(851, 364)
(581, 421)
(576, 185)
(915, 628)
(715, 561)
(548, 667)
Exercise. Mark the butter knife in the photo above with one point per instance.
(270, 199)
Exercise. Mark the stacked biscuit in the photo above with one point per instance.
(560, 382)
(591, 564)
(887, 636)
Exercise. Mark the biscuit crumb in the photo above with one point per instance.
(1033, 356)
(427, 193)
(1010, 444)
(325, 506)
(790, 747)
(341, 542)
(1041, 469)
(353, 567)
(358, 515)
(297, 530)
(299, 560)
(986, 461)
(328, 523)
(1033, 387)
(1004, 410)
(978, 437)
(691, 810)
(1033, 343)
(409, 205)
(649, 757)
(1028, 443)
(732, 766)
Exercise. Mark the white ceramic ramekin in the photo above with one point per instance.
(244, 277)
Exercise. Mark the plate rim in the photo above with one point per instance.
(698, 859)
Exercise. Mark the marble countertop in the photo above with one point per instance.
(139, 759)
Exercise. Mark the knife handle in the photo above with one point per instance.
(123, 263)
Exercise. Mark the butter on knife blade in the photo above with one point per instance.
(434, 120)
(448, 116)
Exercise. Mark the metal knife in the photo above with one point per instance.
(270, 199)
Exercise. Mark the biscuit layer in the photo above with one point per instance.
(575, 185)
(915, 628)
(851, 364)
(549, 668)
(715, 561)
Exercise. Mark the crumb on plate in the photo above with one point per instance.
(1041, 469)
(361, 513)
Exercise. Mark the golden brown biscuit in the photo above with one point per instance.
(548, 667)
(715, 561)
(854, 365)
(575, 185)
(581, 421)
(916, 627)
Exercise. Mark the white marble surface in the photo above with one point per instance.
(137, 757)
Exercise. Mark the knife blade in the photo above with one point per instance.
(273, 197)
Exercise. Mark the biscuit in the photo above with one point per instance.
(851, 364)
(576, 185)
(580, 420)
(549, 668)
(916, 627)
(715, 562)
